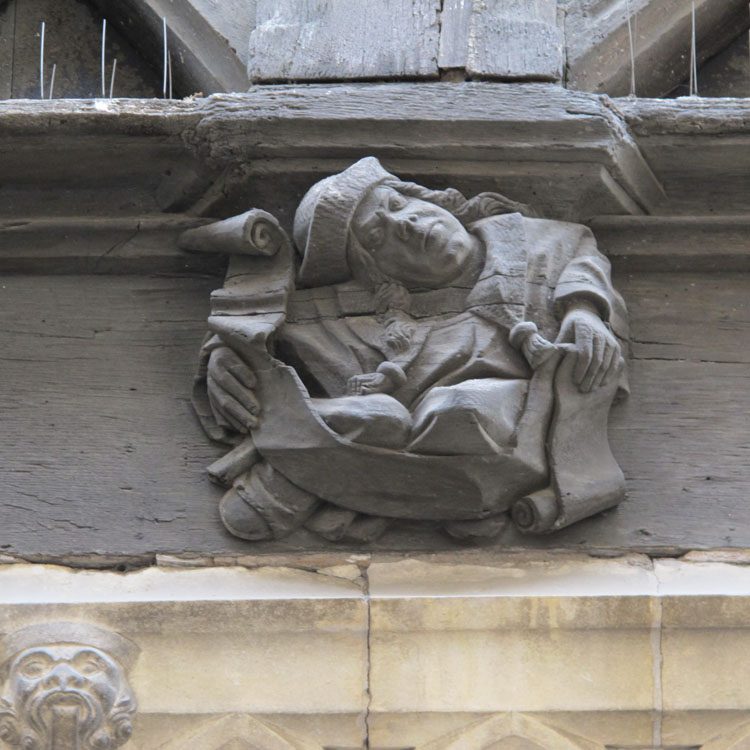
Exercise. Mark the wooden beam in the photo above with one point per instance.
(202, 60)
(598, 46)
(329, 40)
(699, 148)
(494, 39)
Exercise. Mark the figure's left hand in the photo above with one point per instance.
(598, 353)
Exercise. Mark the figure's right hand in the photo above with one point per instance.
(370, 382)
(231, 393)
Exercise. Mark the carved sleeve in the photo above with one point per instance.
(587, 275)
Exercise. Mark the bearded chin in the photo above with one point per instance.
(58, 713)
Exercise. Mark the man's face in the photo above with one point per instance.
(411, 240)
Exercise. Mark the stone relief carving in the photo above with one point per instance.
(65, 687)
(412, 355)
(238, 732)
(515, 731)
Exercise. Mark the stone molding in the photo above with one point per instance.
(510, 730)
(571, 154)
(239, 732)
(557, 651)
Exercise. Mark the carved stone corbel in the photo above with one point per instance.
(409, 355)
(65, 687)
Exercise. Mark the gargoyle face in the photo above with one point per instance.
(411, 240)
(83, 682)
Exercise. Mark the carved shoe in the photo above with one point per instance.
(263, 504)
(241, 519)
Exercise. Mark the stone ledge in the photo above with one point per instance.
(425, 653)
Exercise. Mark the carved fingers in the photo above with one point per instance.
(231, 392)
(598, 355)
(388, 378)
(371, 382)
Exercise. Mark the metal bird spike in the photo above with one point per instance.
(52, 80)
(693, 58)
(632, 51)
(112, 80)
(104, 41)
(41, 64)
(164, 84)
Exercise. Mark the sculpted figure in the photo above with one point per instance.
(415, 355)
(65, 688)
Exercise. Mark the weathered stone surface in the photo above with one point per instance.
(516, 651)
(279, 644)
(432, 628)
(518, 40)
(238, 732)
(344, 40)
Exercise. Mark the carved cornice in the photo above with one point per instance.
(566, 151)
(573, 155)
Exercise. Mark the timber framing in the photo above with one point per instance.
(98, 191)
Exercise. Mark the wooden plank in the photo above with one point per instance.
(727, 74)
(318, 40)
(100, 449)
(536, 134)
(233, 19)
(515, 40)
(101, 454)
(455, 23)
(682, 436)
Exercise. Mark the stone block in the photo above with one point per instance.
(229, 639)
(513, 648)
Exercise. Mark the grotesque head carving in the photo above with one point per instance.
(66, 687)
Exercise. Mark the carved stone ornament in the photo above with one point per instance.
(412, 355)
(65, 688)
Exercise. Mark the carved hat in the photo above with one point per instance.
(78, 633)
(321, 224)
